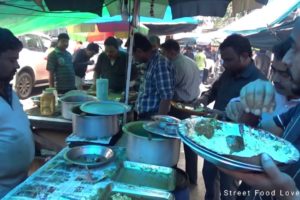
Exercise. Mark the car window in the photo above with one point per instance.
(46, 42)
(32, 42)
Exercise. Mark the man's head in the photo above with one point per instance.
(188, 49)
(170, 49)
(142, 48)
(280, 75)
(292, 58)
(63, 41)
(295, 35)
(155, 41)
(10, 46)
(111, 48)
(92, 49)
(236, 53)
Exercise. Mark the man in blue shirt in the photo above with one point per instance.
(157, 89)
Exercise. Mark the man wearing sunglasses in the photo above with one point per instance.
(260, 96)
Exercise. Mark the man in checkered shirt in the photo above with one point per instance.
(157, 88)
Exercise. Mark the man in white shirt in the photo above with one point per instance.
(187, 83)
(16, 141)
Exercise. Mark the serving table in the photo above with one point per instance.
(58, 179)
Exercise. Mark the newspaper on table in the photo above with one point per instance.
(58, 179)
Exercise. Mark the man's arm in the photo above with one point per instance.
(51, 66)
(210, 95)
(97, 69)
(51, 79)
(165, 83)
(164, 106)
(271, 126)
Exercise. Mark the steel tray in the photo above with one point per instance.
(133, 192)
(146, 175)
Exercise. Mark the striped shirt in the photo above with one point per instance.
(60, 64)
(290, 123)
(158, 84)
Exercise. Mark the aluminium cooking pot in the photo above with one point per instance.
(68, 102)
(94, 126)
(145, 147)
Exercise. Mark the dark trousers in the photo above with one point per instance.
(191, 158)
(216, 182)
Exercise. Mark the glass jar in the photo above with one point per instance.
(47, 106)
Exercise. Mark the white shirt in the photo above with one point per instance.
(187, 79)
(16, 144)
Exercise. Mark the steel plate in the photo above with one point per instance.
(256, 142)
(104, 108)
(89, 155)
(150, 176)
(154, 128)
(220, 160)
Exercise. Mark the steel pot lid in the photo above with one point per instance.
(104, 108)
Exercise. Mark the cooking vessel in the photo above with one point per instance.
(145, 147)
(68, 102)
(94, 126)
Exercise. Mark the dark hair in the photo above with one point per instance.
(239, 43)
(93, 47)
(62, 36)
(281, 48)
(154, 40)
(8, 41)
(141, 42)
(171, 44)
(111, 41)
(120, 42)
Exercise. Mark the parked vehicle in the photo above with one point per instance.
(32, 60)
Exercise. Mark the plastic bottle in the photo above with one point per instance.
(47, 107)
(102, 89)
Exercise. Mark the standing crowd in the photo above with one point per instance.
(242, 91)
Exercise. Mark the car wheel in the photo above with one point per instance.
(24, 85)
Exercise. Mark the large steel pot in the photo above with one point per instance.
(68, 102)
(94, 126)
(142, 146)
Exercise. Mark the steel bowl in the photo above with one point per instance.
(89, 155)
(68, 102)
(94, 126)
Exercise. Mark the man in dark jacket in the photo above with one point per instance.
(81, 59)
(240, 70)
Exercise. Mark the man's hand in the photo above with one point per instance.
(200, 101)
(234, 111)
(271, 179)
(258, 96)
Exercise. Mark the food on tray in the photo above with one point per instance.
(207, 127)
(119, 196)
(239, 140)
(235, 143)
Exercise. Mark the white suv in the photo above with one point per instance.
(32, 60)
